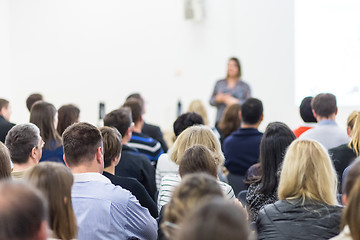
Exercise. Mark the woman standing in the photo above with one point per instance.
(230, 90)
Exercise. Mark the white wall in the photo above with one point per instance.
(87, 51)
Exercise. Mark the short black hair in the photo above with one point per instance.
(186, 120)
(120, 119)
(32, 99)
(324, 104)
(81, 142)
(251, 111)
(306, 110)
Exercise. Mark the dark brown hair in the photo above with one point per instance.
(67, 115)
(230, 120)
(43, 114)
(5, 169)
(55, 180)
(136, 108)
(324, 104)
(112, 144)
(120, 119)
(32, 99)
(3, 103)
(81, 142)
(198, 158)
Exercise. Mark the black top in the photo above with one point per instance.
(5, 126)
(290, 219)
(155, 132)
(342, 157)
(137, 189)
(136, 165)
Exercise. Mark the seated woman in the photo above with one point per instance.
(202, 135)
(230, 121)
(45, 117)
(55, 181)
(277, 137)
(307, 208)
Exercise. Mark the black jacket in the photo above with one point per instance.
(5, 126)
(290, 219)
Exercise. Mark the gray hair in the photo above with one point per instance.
(20, 141)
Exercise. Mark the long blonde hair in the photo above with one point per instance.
(197, 106)
(55, 180)
(308, 173)
(353, 122)
(199, 134)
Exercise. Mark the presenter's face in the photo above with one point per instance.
(233, 70)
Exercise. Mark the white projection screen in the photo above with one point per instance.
(327, 49)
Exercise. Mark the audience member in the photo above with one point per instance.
(5, 113)
(149, 129)
(326, 131)
(230, 121)
(132, 163)
(241, 148)
(23, 212)
(143, 143)
(350, 198)
(67, 115)
(55, 180)
(215, 220)
(344, 154)
(103, 210)
(193, 190)
(5, 169)
(44, 115)
(112, 153)
(307, 192)
(202, 135)
(197, 106)
(33, 98)
(165, 166)
(307, 116)
(25, 146)
(277, 137)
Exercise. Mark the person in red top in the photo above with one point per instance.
(307, 116)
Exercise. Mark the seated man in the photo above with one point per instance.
(103, 210)
(132, 163)
(23, 212)
(5, 113)
(143, 143)
(25, 147)
(242, 147)
(326, 131)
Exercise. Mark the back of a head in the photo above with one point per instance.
(81, 142)
(20, 141)
(55, 180)
(199, 134)
(277, 137)
(67, 115)
(197, 106)
(138, 97)
(136, 108)
(354, 144)
(186, 120)
(251, 111)
(193, 189)
(351, 175)
(215, 220)
(306, 110)
(198, 158)
(5, 168)
(120, 119)
(43, 115)
(3, 103)
(230, 120)
(324, 104)
(112, 144)
(22, 211)
(308, 173)
(32, 99)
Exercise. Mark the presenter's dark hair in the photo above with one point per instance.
(251, 111)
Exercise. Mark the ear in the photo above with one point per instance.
(336, 111)
(344, 199)
(43, 230)
(261, 118)
(33, 154)
(65, 160)
(128, 133)
(99, 156)
(348, 131)
(315, 115)
(240, 115)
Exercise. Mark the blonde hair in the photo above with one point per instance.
(197, 106)
(351, 215)
(308, 173)
(55, 180)
(353, 122)
(194, 189)
(199, 134)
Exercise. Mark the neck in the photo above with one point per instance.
(233, 79)
(85, 169)
(331, 117)
(244, 125)
(21, 167)
(138, 127)
(110, 169)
